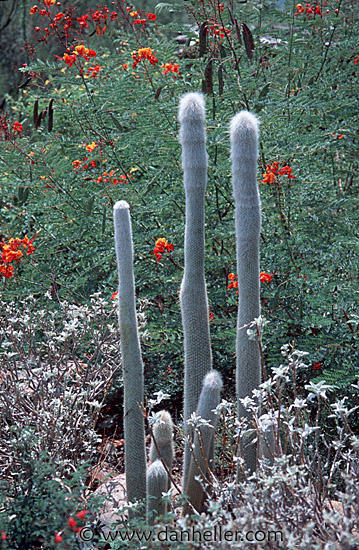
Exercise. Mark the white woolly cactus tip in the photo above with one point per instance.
(244, 125)
(192, 107)
(213, 380)
(121, 205)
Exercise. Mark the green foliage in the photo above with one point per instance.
(300, 82)
(38, 500)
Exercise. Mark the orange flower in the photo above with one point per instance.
(265, 277)
(49, 3)
(113, 297)
(273, 171)
(92, 72)
(11, 253)
(144, 53)
(161, 245)
(170, 68)
(91, 147)
(33, 10)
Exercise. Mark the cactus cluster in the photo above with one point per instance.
(202, 384)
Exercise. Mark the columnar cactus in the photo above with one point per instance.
(193, 296)
(203, 451)
(244, 153)
(157, 483)
(163, 435)
(135, 456)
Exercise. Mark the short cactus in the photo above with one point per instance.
(193, 295)
(203, 452)
(163, 434)
(135, 455)
(244, 153)
(156, 484)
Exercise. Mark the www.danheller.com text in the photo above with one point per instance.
(217, 534)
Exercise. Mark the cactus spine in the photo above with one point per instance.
(203, 452)
(156, 483)
(135, 456)
(193, 296)
(244, 153)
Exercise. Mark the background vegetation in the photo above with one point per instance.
(102, 129)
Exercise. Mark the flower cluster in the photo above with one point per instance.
(17, 129)
(107, 178)
(161, 246)
(170, 68)
(72, 524)
(263, 277)
(309, 9)
(138, 20)
(8, 131)
(93, 71)
(11, 252)
(218, 30)
(79, 51)
(79, 165)
(273, 171)
(142, 54)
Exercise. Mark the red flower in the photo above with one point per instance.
(265, 277)
(170, 68)
(144, 53)
(82, 514)
(58, 538)
(83, 21)
(151, 16)
(162, 245)
(211, 315)
(3, 535)
(17, 128)
(113, 297)
(71, 522)
(317, 365)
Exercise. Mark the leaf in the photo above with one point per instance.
(264, 91)
(36, 112)
(51, 116)
(103, 221)
(100, 31)
(207, 82)
(275, 300)
(203, 39)
(220, 79)
(248, 40)
(89, 205)
(171, 8)
(157, 94)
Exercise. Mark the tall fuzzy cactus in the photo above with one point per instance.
(203, 451)
(157, 483)
(135, 456)
(244, 153)
(193, 296)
